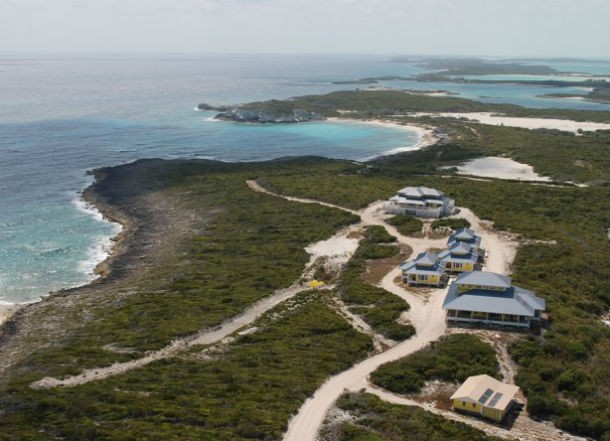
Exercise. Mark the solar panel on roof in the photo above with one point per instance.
(485, 396)
(495, 399)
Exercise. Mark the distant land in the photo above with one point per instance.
(238, 291)
(452, 70)
(379, 104)
(477, 66)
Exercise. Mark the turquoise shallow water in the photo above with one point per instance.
(49, 240)
(63, 116)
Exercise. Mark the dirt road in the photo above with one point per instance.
(426, 315)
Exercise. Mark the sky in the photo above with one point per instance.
(528, 28)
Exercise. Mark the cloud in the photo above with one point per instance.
(518, 27)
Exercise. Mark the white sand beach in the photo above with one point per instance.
(500, 168)
(526, 123)
(426, 134)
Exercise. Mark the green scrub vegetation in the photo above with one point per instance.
(237, 247)
(452, 359)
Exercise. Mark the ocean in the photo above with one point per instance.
(63, 116)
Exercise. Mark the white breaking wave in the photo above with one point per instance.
(102, 247)
(96, 255)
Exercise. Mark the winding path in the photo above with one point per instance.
(206, 337)
(428, 318)
(425, 314)
(211, 336)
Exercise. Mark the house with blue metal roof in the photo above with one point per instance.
(425, 269)
(469, 236)
(460, 257)
(484, 297)
(420, 202)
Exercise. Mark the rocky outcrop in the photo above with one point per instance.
(220, 108)
(269, 117)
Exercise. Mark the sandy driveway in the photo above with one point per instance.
(426, 315)
(523, 429)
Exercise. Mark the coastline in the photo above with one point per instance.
(146, 247)
(120, 241)
(102, 268)
(426, 135)
(489, 118)
(7, 311)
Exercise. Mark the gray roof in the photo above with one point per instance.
(515, 301)
(426, 258)
(424, 263)
(484, 278)
(431, 192)
(464, 234)
(422, 270)
(460, 248)
(421, 192)
(476, 241)
(530, 298)
(446, 256)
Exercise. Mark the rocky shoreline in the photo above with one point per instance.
(145, 245)
(262, 116)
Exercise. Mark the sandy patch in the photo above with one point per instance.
(501, 247)
(6, 311)
(526, 123)
(500, 168)
(338, 249)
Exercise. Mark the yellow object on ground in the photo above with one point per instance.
(316, 284)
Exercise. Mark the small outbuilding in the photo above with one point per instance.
(484, 396)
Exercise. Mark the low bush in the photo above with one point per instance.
(453, 358)
(406, 225)
(375, 420)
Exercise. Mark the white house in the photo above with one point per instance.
(420, 202)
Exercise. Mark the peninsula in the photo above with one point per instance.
(244, 298)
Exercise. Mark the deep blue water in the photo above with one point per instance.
(63, 116)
